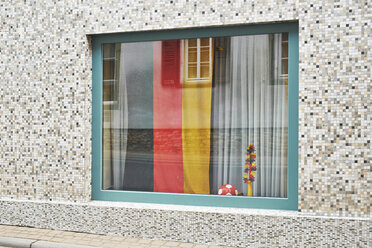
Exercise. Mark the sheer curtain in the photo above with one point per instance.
(119, 129)
(249, 107)
(128, 120)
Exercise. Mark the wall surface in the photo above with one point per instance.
(201, 225)
(46, 81)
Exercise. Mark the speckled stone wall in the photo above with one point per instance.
(335, 167)
(46, 79)
(200, 225)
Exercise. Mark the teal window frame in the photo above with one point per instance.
(290, 203)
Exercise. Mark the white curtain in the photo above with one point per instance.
(119, 128)
(249, 107)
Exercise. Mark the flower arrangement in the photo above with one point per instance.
(250, 168)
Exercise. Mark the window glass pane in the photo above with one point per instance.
(108, 91)
(284, 49)
(284, 66)
(204, 42)
(284, 36)
(285, 54)
(192, 53)
(108, 51)
(198, 117)
(192, 42)
(192, 71)
(109, 69)
(204, 71)
(204, 54)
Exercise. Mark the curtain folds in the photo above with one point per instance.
(249, 107)
(120, 134)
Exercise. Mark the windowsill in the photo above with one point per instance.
(203, 209)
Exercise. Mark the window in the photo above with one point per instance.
(111, 53)
(198, 61)
(179, 116)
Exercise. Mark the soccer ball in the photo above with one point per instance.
(227, 189)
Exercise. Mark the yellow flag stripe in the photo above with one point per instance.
(196, 114)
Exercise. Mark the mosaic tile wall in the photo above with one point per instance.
(45, 103)
(232, 227)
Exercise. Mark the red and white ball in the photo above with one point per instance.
(227, 189)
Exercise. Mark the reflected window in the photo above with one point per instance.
(198, 60)
(111, 53)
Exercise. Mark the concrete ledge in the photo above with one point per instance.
(14, 242)
(46, 244)
(33, 243)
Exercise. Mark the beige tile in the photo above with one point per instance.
(106, 237)
(186, 245)
(57, 239)
(140, 246)
(94, 236)
(144, 241)
(18, 235)
(117, 238)
(71, 241)
(8, 233)
(172, 244)
(84, 242)
(12, 227)
(158, 242)
(86, 239)
(47, 238)
(28, 236)
(132, 240)
(124, 245)
(95, 243)
(21, 228)
(80, 234)
(68, 236)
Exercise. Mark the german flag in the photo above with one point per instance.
(172, 153)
